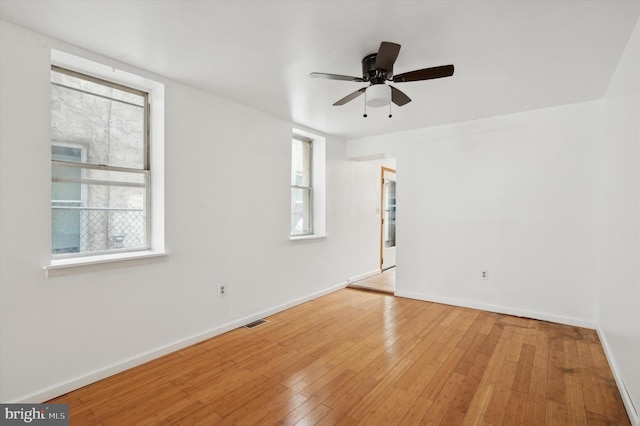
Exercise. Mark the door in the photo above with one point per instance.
(388, 219)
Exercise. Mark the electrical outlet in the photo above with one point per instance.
(222, 290)
(484, 274)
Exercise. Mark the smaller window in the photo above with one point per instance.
(301, 186)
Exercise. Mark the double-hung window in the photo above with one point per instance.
(100, 174)
(301, 186)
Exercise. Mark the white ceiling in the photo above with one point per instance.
(509, 56)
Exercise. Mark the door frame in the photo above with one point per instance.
(382, 171)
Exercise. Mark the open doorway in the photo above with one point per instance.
(379, 186)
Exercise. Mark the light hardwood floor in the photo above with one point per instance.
(382, 283)
(355, 357)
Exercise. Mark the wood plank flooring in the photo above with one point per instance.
(384, 282)
(356, 357)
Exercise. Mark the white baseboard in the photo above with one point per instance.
(634, 416)
(94, 376)
(363, 276)
(498, 309)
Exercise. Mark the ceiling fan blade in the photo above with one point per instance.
(387, 55)
(424, 74)
(398, 97)
(335, 77)
(350, 97)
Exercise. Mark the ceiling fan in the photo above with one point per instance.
(377, 69)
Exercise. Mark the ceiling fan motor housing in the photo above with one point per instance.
(372, 74)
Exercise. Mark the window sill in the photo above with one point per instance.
(102, 262)
(303, 238)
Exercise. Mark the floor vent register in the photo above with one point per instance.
(255, 323)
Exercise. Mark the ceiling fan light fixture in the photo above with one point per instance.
(378, 95)
(377, 69)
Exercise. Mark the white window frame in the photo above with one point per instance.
(318, 184)
(113, 72)
(145, 171)
(307, 188)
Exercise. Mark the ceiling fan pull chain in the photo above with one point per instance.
(390, 110)
(365, 104)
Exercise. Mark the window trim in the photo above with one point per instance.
(113, 71)
(318, 167)
(67, 266)
(307, 188)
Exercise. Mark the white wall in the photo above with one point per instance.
(619, 275)
(514, 194)
(227, 221)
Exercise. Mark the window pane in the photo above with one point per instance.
(108, 215)
(108, 122)
(65, 191)
(389, 213)
(300, 211)
(301, 163)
